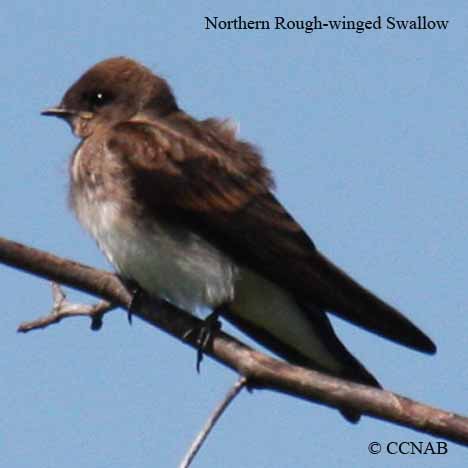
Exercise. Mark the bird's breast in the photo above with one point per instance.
(165, 260)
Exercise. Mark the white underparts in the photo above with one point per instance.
(184, 269)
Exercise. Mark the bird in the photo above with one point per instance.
(187, 211)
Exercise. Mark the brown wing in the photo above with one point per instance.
(200, 177)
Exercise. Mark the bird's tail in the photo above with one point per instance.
(348, 368)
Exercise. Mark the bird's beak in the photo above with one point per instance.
(67, 114)
(79, 121)
(58, 112)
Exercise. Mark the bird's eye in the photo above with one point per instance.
(99, 98)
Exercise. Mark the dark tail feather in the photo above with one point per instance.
(353, 370)
(361, 376)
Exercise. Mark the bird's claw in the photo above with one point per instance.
(204, 335)
(136, 293)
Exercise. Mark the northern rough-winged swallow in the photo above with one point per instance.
(185, 209)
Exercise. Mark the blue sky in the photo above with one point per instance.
(367, 136)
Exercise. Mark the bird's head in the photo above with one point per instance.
(112, 91)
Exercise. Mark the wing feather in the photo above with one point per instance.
(197, 174)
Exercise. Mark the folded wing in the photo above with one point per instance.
(198, 175)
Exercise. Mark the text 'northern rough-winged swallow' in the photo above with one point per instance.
(185, 209)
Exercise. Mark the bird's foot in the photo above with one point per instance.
(204, 335)
(136, 295)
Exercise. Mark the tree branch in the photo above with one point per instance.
(260, 370)
(63, 309)
(219, 410)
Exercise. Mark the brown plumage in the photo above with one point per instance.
(148, 164)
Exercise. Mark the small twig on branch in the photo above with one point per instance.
(62, 309)
(210, 423)
(261, 371)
